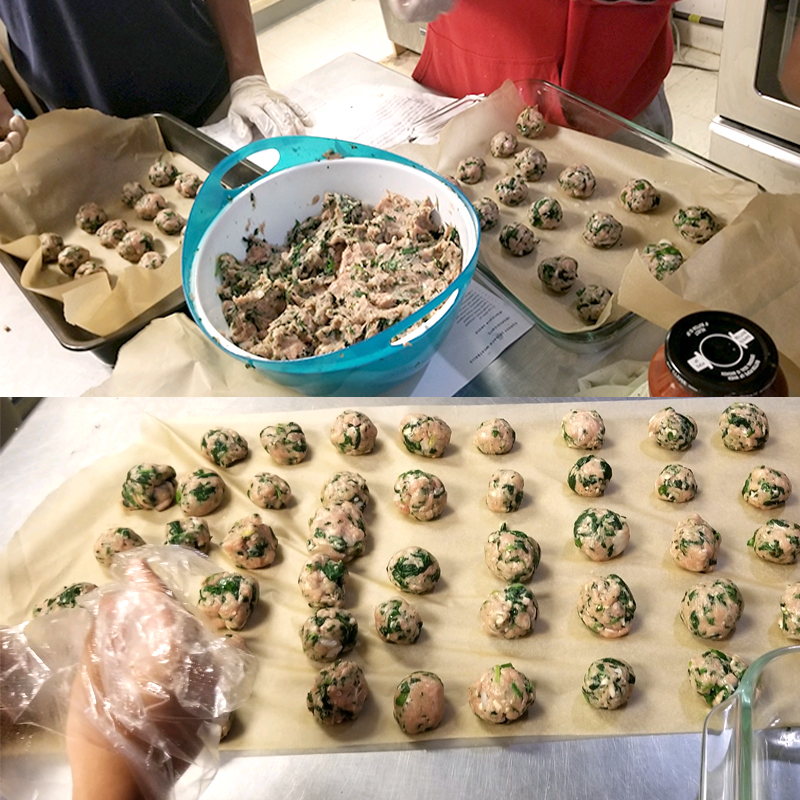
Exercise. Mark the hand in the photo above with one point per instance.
(13, 130)
(420, 10)
(254, 105)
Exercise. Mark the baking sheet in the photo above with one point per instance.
(453, 643)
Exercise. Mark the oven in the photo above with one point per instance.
(756, 130)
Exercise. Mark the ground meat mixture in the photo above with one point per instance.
(191, 532)
(110, 233)
(671, 430)
(170, 222)
(591, 302)
(602, 230)
(251, 543)
(338, 531)
(765, 487)
(777, 541)
(471, 169)
(715, 675)
(322, 581)
(343, 487)
(608, 683)
(419, 702)
(495, 437)
(502, 694)
(558, 273)
(696, 223)
(223, 446)
(228, 599)
(414, 570)
(518, 239)
(338, 694)
(589, 476)
(505, 491)
(600, 533)
(269, 491)
(71, 257)
(285, 443)
(695, 545)
(509, 613)
(789, 622)
(512, 556)
(162, 173)
(68, 597)
(424, 435)
(90, 217)
(662, 258)
(114, 541)
(503, 144)
(545, 213)
(577, 181)
(134, 244)
(152, 260)
(329, 633)
(341, 277)
(397, 621)
(676, 484)
(148, 205)
(90, 267)
(353, 433)
(200, 492)
(530, 122)
(511, 190)
(149, 486)
(132, 192)
(187, 184)
(583, 430)
(640, 196)
(743, 426)
(52, 245)
(488, 212)
(711, 610)
(530, 163)
(606, 606)
(420, 495)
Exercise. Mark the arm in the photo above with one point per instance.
(233, 21)
(790, 72)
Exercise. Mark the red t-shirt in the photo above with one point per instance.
(614, 53)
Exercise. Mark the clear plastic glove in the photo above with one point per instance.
(13, 131)
(255, 106)
(420, 10)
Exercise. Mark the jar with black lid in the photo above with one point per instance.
(716, 354)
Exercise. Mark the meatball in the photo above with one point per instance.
(589, 476)
(162, 173)
(602, 230)
(640, 196)
(68, 597)
(414, 570)
(512, 556)
(503, 144)
(52, 244)
(789, 622)
(89, 267)
(577, 181)
(696, 224)
(285, 443)
(531, 164)
(601, 533)
(608, 683)
(338, 694)
(269, 491)
(250, 543)
(90, 217)
(676, 484)
(191, 532)
(110, 233)
(505, 491)
(471, 169)
(694, 545)
(511, 190)
(170, 222)
(711, 610)
(113, 541)
(132, 192)
(149, 486)
(338, 531)
(662, 258)
(606, 606)
(671, 430)
(743, 426)
(518, 239)
(345, 487)
(420, 495)
(509, 613)
(322, 581)
(765, 487)
(488, 212)
(425, 436)
(152, 260)
(583, 430)
(545, 213)
(223, 446)
(187, 184)
(329, 633)
(558, 273)
(419, 702)
(228, 599)
(495, 437)
(134, 244)
(777, 541)
(148, 205)
(397, 621)
(715, 675)
(530, 122)
(200, 492)
(353, 433)
(71, 257)
(501, 694)
(592, 300)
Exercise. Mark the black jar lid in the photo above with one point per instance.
(716, 353)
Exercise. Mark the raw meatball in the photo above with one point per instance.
(503, 144)
(501, 694)
(530, 122)
(471, 169)
(426, 436)
(591, 302)
(495, 437)
(488, 212)
(285, 443)
(110, 233)
(132, 192)
(676, 484)
(511, 190)
(589, 476)
(338, 694)
(353, 433)
(606, 606)
(200, 492)
(322, 581)
(546, 213)
(329, 633)
(223, 446)
(696, 223)
(52, 244)
(577, 181)
(420, 495)
(134, 244)
(162, 173)
(152, 260)
(149, 486)
(68, 597)
(583, 430)
(640, 196)
(531, 164)
(744, 426)
(695, 545)
(662, 258)
(169, 222)
(269, 491)
(148, 205)
(505, 491)
(191, 532)
(90, 217)
(414, 570)
(715, 675)
(558, 273)
(608, 683)
(113, 541)
(512, 556)
(711, 610)
(188, 184)
(228, 599)
(345, 487)
(71, 257)
(338, 531)
(509, 613)
(90, 267)
(671, 430)
(601, 533)
(765, 487)
(419, 702)
(602, 230)
(250, 543)
(518, 239)
(777, 541)
(397, 621)
(789, 622)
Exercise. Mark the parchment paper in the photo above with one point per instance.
(54, 548)
(72, 157)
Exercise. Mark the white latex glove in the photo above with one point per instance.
(15, 135)
(420, 10)
(257, 107)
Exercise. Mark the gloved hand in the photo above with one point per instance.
(13, 130)
(254, 105)
(420, 10)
